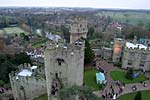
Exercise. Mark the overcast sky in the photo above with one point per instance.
(127, 4)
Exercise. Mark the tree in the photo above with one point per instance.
(2, 83)
(138, 96)
(81, 91)
(21, 58)
(89, 53)
(129, 74)
(90, 32)
(66, 33)
(26, 38)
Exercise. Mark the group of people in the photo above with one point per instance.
(55, 88)
(112, 95)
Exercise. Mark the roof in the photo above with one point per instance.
(34, 67)
(25, 72)
(131, 45)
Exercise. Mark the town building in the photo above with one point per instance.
(107, 54)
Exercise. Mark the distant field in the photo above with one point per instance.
(128, 17)
(14, 30)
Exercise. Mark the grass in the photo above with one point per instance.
(131, 96)
(14, 30)
(121, 76)
(133, 18)
(42, 97)
(39, 43)
(90, 78)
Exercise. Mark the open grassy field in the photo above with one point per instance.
(90, 78)
(39, 43)
(14, 30)
(128, 17)
(131, 96)
(120, 75)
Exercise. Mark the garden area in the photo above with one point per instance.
(38, 43)
(90, 78)
(14, 30)
(131, 96)
(121, 76)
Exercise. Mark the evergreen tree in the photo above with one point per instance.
(89, 54)
(138, 96)
(129, 74)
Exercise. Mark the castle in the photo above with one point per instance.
(64, 66)
(131, 54)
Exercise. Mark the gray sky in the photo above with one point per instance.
(127, 4)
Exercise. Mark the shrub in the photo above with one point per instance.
(118, 64)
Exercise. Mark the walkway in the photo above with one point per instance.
(128, 87)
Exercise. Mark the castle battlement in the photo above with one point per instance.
(76, 46)
(137, 50)
(27, 73)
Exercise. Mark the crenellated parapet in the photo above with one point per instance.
(66, 50)
(143, 50)
(27, 82)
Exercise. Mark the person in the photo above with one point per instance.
(103, 96)
(114, 97)
(134, 88)
(144, 84)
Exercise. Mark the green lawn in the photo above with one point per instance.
(120, 75)
(131, 96)
(42, 97)
(14, 30)
(90, 78)
(39, 43)
(127, 17)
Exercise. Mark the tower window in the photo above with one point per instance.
(59, 60)
(142, 63)
(129, 62)
(80, 25)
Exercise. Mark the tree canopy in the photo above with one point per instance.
(138, 96)
(80, 91)
(9, 63)
(89, 53)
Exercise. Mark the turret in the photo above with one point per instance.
(78, 29)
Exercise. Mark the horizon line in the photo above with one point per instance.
(72, 7)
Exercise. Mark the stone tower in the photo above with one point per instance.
(117, 49)
(64, 66)
(78, 29)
